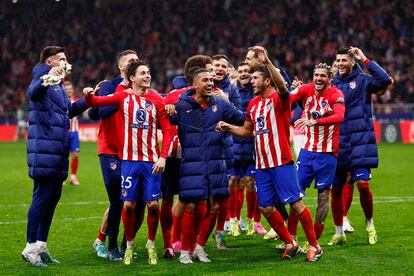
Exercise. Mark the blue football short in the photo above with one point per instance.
(278, 184)
(139, 182)
(74, 141)
(243, 168)
(318, 166)
(356, 174)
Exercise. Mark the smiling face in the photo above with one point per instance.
(220, 68)
(321, 79)
(344, 63)
(244, 75)
(203, 84)
(252, 61)
(142, 77)
(258, 83)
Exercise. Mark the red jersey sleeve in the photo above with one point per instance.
(164, 124)
(98, 101)
(336, 100)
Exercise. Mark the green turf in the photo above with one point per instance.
(79, 212)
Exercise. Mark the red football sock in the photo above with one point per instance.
(337, 204)
(251, 203)
(305, 219)
(128, 219)
(166, 220)
(347, 196)
(74, 165)
(318, 227)
(153, 217)
(365, 197)
(231, 203)
(278, 224)
(239, 201)
(200, 216)
(257, 214)
(101, 236)
(176, 228)
(188, 226)
(139, 216)
(221, 215)
(206, 228)
(293, 225)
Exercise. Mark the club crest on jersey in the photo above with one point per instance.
(214, 108)
(141, 115)
(112, 165)
(352, 84)
(308, 101)
(268, 106)
(148, 106)
(124, 192)
(260, 122)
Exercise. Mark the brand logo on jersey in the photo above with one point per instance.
(352, 84)
(141, 115)
(260, 122)
(340, 100)
(315, 114)
(112, 165)
(214, 108)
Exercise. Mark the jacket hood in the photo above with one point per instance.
(179, 82)
(356, 70)
(39, 70)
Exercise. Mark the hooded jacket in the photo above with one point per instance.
(357, 144)
(203, 168)
(48, 136)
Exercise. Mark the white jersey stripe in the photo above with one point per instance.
(126, 127)
(135, 131)
(275, 136)
(330, 138)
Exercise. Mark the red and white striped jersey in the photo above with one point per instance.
(175, 146)
(319, 138)
(139, 116)
(74, 122)
(270, 118)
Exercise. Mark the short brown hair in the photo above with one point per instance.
(346, 51)
(220, 56)
(124, 53)
(50, 51)
(195, 61)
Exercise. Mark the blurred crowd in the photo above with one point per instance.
(298, 34)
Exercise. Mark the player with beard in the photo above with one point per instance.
(324, 109)
(268, 116)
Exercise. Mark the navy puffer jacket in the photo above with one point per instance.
(202, 173)
(234, 97)
(48, 138)
(357, 144)
(244, 147)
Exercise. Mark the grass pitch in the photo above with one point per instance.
(79, 213)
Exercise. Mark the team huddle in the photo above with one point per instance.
(210, 141)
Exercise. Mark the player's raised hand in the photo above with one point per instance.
(159, 166)
(296, 82)
(359, 55)
(56, 71)
(222, 126)
(88, 91)
(170, 109)
(129, 91)
(220, 93)
(261, 54)
(302, 123)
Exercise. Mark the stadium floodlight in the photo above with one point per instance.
(14, 1)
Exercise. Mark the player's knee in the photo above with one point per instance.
(152, 205)
(250, 184)
(233, 181)
(297, 207)
(266, 211)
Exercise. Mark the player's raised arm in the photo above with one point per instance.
(277, 78)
